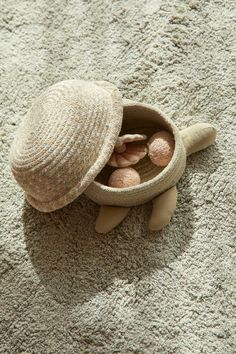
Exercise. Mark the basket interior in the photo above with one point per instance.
(141, 120)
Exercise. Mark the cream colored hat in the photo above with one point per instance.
(65, 140)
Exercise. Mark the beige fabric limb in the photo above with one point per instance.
(198, 137)
(163, 208)
(109, 217)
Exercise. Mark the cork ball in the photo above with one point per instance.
(124, 177)
(161, 148)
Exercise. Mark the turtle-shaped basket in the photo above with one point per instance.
(63, 144)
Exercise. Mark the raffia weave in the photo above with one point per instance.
(105, 195)
(65, 140)
(68, 136)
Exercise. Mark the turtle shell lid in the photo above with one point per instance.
(65, 140)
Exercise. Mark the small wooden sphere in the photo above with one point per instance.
(161, 148)
(124, 177)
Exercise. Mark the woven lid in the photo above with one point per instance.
(65, 140)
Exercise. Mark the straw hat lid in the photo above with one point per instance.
(65, 140)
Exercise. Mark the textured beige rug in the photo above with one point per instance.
(65, 289)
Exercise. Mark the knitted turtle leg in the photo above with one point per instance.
(163, 208)
(109, 217)
(198, 137)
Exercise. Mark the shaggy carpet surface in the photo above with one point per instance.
(66, 289)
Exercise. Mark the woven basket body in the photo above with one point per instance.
(63, 144)
(138, 117)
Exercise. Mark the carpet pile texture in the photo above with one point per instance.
(66, 289)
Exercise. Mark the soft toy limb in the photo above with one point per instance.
(198, 137)
(109, 217)
(163, 208)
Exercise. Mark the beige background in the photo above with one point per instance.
(65, 289)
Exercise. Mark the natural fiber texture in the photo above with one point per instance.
(67, 137)
(155, 182)
(64, 141)
(63, 287)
